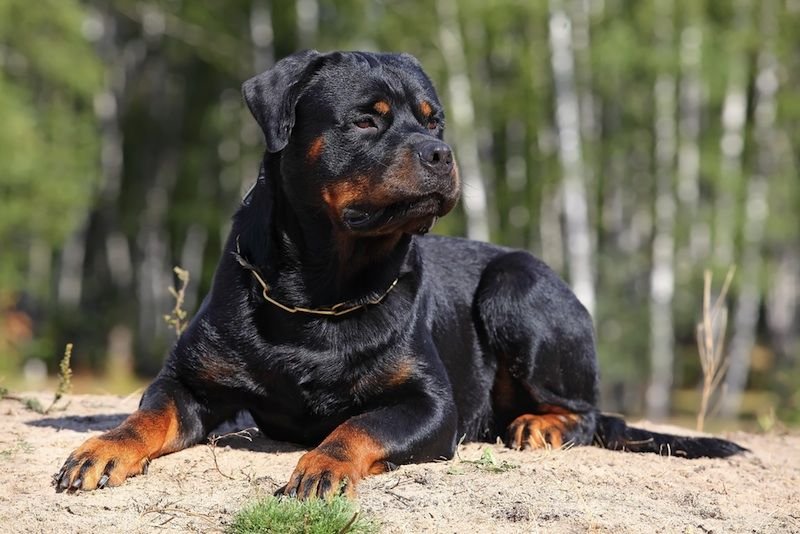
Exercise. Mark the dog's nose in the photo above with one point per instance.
(437, 157)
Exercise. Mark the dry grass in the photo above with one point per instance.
(711, 342)
(64, 378)
(177, 319)
(212, 445)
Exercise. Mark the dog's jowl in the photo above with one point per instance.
(337, 324)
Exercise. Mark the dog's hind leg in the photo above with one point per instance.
(530, 322)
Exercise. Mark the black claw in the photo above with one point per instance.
(280, 491)
(324, 486)
(308, 486)
(146, 467)
(294, 485)
(343, 484)
(77, 484)
(103, 481)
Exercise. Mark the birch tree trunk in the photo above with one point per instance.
(106, 105)
(745, 319)
(307, 22)
(688, 186)
(462, 119)
(551, 233)
(517, 179)
(734, 116)
(783, 302)
(40, 265)
(662, 275)
(576, 213)
(154, 270)
(262, 39)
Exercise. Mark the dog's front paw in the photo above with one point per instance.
(103, 461)
(320, 475)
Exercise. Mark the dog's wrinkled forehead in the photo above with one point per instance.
(273, 95)
(398, 75)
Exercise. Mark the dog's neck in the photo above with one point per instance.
(306, 260)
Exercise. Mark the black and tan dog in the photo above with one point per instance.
(338, 326)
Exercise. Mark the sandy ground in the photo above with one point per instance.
(579, 490)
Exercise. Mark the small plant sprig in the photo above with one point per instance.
(176, 319)
(64, 387)
(487, 462)
(64, 378)
(711, 342)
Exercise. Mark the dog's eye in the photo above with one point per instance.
(432, 124)
(365, 123)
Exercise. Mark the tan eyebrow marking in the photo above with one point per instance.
(382, 107)
(426, 109)
(315, 149)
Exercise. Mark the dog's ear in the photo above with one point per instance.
(272, 95)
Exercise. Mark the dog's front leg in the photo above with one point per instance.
(169, 418)
(421, 427)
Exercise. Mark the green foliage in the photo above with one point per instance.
(280, 515)
(189, 150)
(48, 142)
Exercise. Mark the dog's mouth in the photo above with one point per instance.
(415, 215)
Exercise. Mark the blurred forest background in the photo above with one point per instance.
(630, 144)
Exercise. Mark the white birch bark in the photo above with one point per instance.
(662, 275)
(70, 276)
(581, 13)
(462, 119)
(262, 39)
(734, 116)
(40, 264)
(576, 214)
(262, 36)
(99, 27)
(688, 175)
(550, 231)
(745, 319)
(106, 108)
(155, 267)
(783, 303)
(192, 253)
(307, 22)
(582, 43)
(516, 174)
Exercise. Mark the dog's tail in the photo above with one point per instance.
(612, 433)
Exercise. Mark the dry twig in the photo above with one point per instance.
(711, 341)
(176, 319)
(212, 445)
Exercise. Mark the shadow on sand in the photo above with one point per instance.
(240, 433)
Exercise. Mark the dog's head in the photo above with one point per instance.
(360, 137)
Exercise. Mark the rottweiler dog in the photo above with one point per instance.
(338, 325)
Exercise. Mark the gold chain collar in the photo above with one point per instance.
(330, 311)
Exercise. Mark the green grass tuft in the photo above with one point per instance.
(281, 515)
